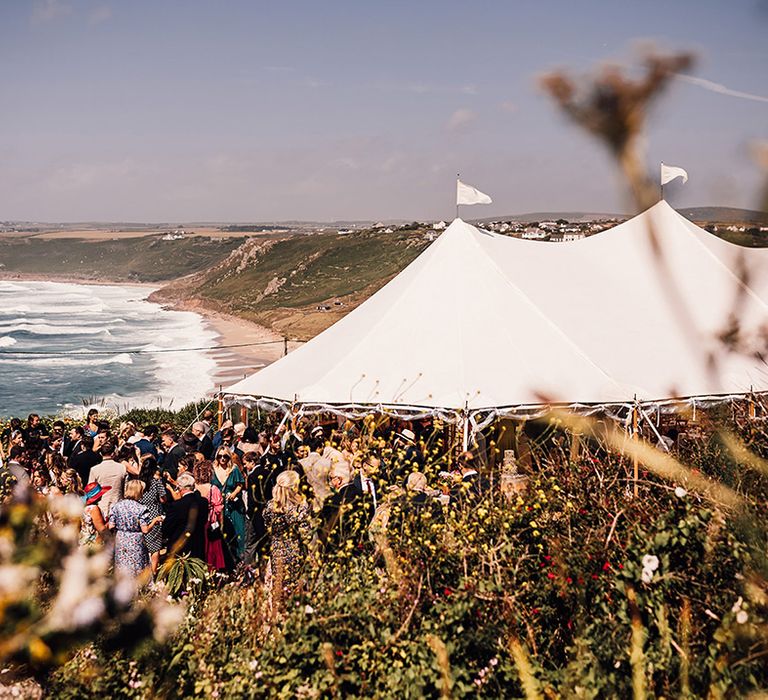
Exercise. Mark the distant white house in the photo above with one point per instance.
(439, 226)
(176, 235)
(344, 231)
(572, 236)
(534, 234)
(387, 230)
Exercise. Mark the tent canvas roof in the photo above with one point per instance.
(480, 320)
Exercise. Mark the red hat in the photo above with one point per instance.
(93, 492)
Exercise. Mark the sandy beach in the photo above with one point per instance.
(245, 347)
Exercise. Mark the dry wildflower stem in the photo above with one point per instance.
(441, 654)
(614, 109)
(636, 655)
(685, 638)
(661, 463)
(522, 662)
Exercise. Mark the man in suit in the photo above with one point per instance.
(173, 453)
(472, 486)
(200, 431)
(186, 520)
(344, 516)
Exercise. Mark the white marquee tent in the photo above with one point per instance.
(483, 322)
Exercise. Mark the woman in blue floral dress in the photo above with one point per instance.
(131, 521)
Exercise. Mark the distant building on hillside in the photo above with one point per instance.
(176, 235)
(439, 226)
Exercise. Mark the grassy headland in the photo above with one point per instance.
(302, 284)
(143, 259)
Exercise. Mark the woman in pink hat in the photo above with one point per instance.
(93, 523)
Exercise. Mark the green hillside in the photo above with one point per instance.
(281, 283)
(143, 259)
(726, 215)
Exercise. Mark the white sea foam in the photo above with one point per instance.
(60, 309)
(59, 321)
(53, 317)
(49, 329)
(70, 361)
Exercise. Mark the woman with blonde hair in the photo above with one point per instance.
(286, 518)
(131, 521)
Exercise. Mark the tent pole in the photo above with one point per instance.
(458, 177)
(465, 431)
(221, 408)
(635, 422)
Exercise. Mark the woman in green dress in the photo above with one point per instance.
(228, 478)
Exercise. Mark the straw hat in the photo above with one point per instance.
(407, 435)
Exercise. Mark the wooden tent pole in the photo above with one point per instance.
(221, 408)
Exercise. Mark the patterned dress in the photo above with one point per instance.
(131, 555)
(290, 533)
(88, 534)
(152, 500)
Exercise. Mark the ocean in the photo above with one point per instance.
(89, 331)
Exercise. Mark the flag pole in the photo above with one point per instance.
(458, 177)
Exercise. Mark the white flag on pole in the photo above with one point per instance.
(670, 172)
(466, 194)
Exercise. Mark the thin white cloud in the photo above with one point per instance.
(720, 89)
(99, 14)
(49, 10)
(461, 120)
(346, 163)
(509, 106)
(427, 89)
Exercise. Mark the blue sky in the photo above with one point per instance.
(166, 110)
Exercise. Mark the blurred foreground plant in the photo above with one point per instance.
(56, 596)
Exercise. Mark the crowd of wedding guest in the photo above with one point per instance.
(237, 498)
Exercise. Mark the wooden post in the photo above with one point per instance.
(221, 408)
(575, 446)
(243, 415)
(285, 346)
(635, 436)
(751, 406)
